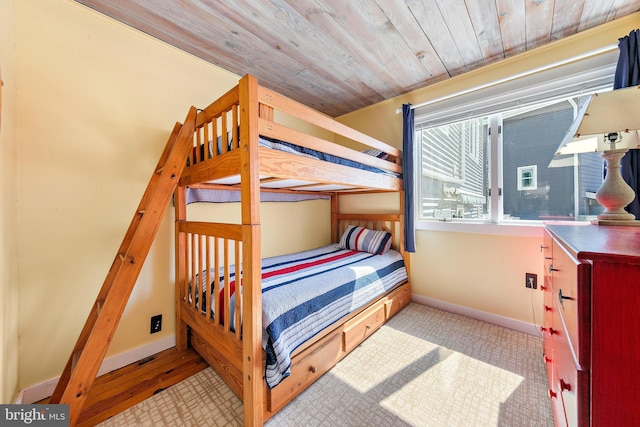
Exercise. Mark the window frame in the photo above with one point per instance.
(591, 74)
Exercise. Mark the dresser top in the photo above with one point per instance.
(597, 241)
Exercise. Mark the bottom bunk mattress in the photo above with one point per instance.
(306, 292)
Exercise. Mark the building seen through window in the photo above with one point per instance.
(459, 177)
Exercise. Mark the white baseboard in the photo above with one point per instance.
(45, 389)
(484, 316)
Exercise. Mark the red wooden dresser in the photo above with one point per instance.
(591, 324)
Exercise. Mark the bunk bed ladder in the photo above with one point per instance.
(93, 342)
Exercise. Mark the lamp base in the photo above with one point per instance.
(624, 222)
(614, 193)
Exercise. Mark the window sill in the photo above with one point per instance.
(521, 228)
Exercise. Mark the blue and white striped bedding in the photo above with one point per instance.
(306, 292)
(299, 304)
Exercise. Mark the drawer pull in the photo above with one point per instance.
(547, 308)
(552, 269)
(543, 288)
(561, 298)
(543, 329)
(564, 386)
(542, 247)
(547, 359)
(312, 369)
(553, 331)
(552, 394)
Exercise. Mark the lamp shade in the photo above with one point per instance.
(617, 111)
(581, 144)
(596, 143)
(608, 122)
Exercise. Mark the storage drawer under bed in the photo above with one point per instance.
(312, 362)
(357, 330)
(305, 369)
(361, 327)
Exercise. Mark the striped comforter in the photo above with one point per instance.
(304, 293)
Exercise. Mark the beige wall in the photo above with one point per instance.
(8, 210)
(96, 103)
(478, 271)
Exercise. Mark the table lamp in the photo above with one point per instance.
(608, 122)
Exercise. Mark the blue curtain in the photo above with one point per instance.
(628, 74)
(407, 177)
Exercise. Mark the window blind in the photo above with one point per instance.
(580, 77)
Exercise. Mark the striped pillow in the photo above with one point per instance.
(365, 240)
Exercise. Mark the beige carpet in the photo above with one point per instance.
(426, 367)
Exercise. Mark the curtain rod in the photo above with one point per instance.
(586, 55)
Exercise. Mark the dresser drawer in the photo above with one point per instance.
(557, 406)
(548, 307)
(547, 325)
(548, 355)
(547, 256)
(358, 329)
(551, 332)
(569, 381)
(569, 276)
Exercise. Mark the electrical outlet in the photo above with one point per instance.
(531, 280)
(156, 323)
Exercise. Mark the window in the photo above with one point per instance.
(527, 178)
(460, 176)
(453, 183)
(489, 156)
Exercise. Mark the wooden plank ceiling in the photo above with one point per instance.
(341, 55)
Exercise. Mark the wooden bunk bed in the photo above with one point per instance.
(229, 154)
(229, 146)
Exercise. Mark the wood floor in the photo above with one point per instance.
(116, 391)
